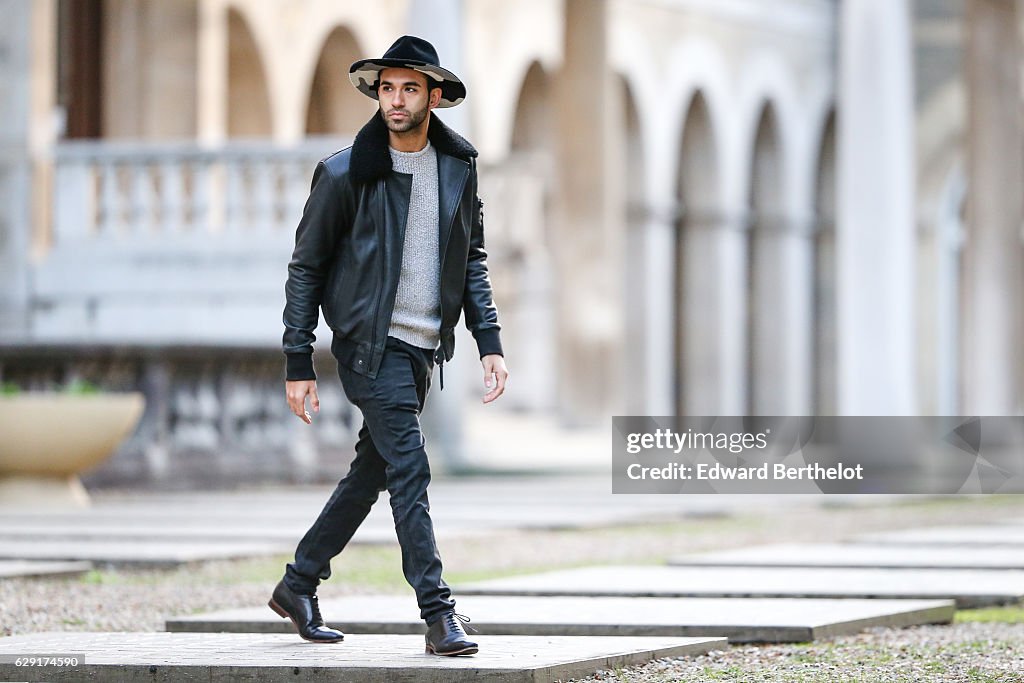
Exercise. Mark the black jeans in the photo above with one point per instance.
(389, 453)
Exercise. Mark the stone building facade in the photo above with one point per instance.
(694, 206)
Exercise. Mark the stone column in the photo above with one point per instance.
(993, 252)
(782, 322)
(586, 246)
(875, 212)
(659, 251)
(212, 73)
(825, 393)
(27, 72)
(123, 69)
(713, 259)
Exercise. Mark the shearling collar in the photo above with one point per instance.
(371, 160)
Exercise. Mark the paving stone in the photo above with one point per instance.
(136, 657)
(170, 530)
(988, 535)
(858, 555)
(740, 619)
(460, 508)
(12, 568)
(1011, 521)
(969, 588)
(492, 502)
(128, 552)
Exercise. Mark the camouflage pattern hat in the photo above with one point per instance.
(408, 52)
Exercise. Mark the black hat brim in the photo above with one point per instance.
(365, 75)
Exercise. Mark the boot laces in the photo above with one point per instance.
(314, 603)
(456, 620)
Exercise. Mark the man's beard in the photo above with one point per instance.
(413, 120)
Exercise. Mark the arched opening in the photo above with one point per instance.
(248, 96)
(695, 288)
(519, 214)
(335, 107)
(766, 225)
(532, 130)
(630, 207)
(80, 67)
(825, 388)
(941, 193)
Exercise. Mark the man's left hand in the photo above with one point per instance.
(495, 376)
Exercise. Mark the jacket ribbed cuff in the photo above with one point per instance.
(299, 367)
(488, 341)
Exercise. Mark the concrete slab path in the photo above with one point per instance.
(279, 516)
(270, 658)
(978, 535)
(856, 555)
(969, 588)
(1011, 521)
(775, 620)
(14, 568)
(133, 552)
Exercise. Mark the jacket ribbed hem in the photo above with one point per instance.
(299, 366)
(488, 341)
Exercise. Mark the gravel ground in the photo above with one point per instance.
(140, 600)
(975, 652)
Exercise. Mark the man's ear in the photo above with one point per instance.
(435, 97)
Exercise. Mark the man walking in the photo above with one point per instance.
(391, 245)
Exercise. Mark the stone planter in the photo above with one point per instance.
(48, 439)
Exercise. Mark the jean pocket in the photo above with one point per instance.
(352, 383)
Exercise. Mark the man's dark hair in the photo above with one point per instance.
(431, 82)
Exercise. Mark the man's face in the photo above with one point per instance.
(404, 98)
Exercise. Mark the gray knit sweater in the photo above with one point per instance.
(417, 315)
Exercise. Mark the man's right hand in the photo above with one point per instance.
(296, 391)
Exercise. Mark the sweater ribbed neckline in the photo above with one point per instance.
(410, 155)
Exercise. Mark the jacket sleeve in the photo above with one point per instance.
(477, 298)
(316, 239)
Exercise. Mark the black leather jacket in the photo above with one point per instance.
(348, 253)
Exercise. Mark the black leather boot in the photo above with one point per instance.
(446, 636)
(304, 611)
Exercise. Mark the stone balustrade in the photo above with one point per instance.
(157, 244)
(112, 190)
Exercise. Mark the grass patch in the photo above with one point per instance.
(372, 566)
(252, 570)
(946, 501)
(1007, 614)
(93, 576)
(455, 578)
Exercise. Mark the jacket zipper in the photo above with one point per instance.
(380, 279)
(440, 275)
(450, 220)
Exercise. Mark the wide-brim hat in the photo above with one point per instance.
(408, 52)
